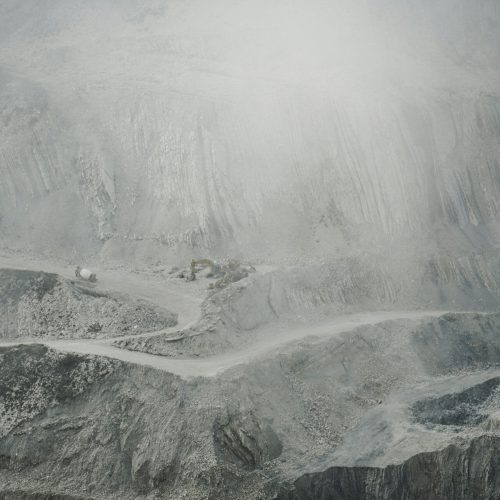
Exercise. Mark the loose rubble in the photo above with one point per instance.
(44, 305)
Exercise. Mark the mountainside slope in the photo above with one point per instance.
(380, 404)
(160, 130)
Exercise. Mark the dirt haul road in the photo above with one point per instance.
(270, 345)
(182, 298)
(185, 299)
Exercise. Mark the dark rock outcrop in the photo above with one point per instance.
(24, 495)
(244, 441)
(472, 472)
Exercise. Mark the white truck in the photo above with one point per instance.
(85, 274)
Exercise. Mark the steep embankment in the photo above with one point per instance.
(455, 473)
(299, 298)
(366, 403)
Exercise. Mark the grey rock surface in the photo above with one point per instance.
(38, 304)
(455, 473)
(232, 317)
(174, 135)
(319, 418)
(349, 151)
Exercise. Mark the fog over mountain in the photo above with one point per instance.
(249, 249)
(286, 130)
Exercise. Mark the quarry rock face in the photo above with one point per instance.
(195, 140)
(367, 414)
(337, 163)
(453, 473)
(242, 440)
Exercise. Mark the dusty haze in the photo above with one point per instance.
(154, 131)
(339, 163)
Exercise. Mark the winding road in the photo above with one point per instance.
(185, 299)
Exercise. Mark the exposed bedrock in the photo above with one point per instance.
(135, 432)
(242, 440)
(455, 473)
(189, 149)
(24, 495)
(35, 379)
(469, 407)
(349, 151)
(354, 414)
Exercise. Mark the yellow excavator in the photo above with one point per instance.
(226, 273)
(199, 264)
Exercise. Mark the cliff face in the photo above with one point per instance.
(271, 131)
(453, 473)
